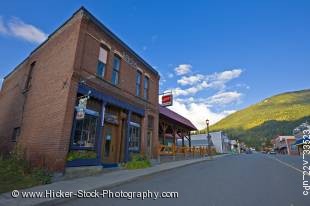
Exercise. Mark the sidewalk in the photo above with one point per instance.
(91, 183)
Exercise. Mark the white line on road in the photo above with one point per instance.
(288, 165)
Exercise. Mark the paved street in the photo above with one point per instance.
(253, 179)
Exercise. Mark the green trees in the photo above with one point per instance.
(277, 115)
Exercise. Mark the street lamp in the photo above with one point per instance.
(209, 140)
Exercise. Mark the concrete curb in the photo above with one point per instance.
(92, 183)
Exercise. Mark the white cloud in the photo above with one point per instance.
(189, 91)
(228, 75)
(17, 28)
(25, 31)
(197, 113)
(218, 80)
(190, 80)
(183, 69)
(198, 108)
(3, 29)
(223, 98)
(185, 92)
(199, 82)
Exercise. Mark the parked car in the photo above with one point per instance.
(272, 152)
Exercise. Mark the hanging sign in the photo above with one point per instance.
(167, 99)
(80, 109)
(80, 114)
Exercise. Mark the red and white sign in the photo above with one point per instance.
(167, 99)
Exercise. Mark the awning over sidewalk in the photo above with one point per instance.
(176, 118)
(301, 141)
(173, 126)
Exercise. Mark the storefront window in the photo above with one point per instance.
(134, 137)
(85, 131)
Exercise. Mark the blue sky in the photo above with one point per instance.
(217, 56)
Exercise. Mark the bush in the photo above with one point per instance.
(81, 154)
(138, 162)
(17, 173)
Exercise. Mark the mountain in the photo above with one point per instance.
(277, 115)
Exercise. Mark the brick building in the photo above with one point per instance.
(39, 99)
(285, 145)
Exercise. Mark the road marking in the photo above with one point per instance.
(288, 165)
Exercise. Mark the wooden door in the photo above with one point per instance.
(109, 149)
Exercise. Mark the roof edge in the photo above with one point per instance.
(111, 34)
(192, 127)
(101, 25)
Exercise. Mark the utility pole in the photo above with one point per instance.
(209, 140)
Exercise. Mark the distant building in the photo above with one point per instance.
(233, 145)
(300, 136)
(285, 145)
(219, 139)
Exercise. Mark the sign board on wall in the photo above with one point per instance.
(167, 99)
(110, 118)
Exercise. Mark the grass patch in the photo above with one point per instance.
(138, 162)
(16, 173)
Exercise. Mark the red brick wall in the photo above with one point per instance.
(44, 133)
(91, 37)
(70, 55)
(86, 66)
(11, 104)
(290, 142)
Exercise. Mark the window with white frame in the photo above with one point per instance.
(102, 61)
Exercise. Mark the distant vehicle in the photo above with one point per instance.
(272, 152)
(248, 151)
(264, 152)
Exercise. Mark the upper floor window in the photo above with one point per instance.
(146, 88)
(138, 83)
(116, 68)
(102, 61)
